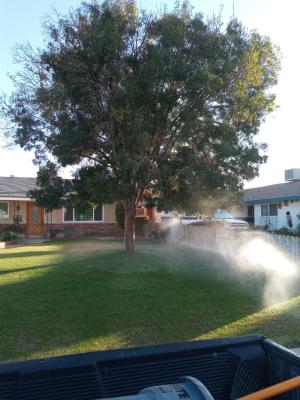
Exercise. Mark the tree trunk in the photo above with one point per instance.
(129, 226)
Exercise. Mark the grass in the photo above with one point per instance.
(68, 297)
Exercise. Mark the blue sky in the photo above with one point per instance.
(21, 20)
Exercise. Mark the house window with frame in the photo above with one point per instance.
(264, 210)
(4, 210)
(269, 210)
(273, 210)
(87, 215)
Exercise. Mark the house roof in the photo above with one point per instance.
(16, 187)
(273, 193)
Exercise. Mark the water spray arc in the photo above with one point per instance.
(249, 255)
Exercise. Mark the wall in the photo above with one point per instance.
(110, 213)
(107, 227)
(85, 230)
(12, 211)
(109, 216)
(292, 206)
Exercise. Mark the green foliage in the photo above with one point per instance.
(120, 215)
(285, 231)
(169, 102)
(297, 230)
(6, 236)
(13, 228)
(52, 190)
(97, 234)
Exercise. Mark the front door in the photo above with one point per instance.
(35, 219)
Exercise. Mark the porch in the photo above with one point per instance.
(25, 213)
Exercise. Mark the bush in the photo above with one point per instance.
(6, 236)
(98, 234)
(13, 228)
(297, 230)
(285, 231)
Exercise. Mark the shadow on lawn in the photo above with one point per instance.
(11, 271)
(27, 254)
(115, 299)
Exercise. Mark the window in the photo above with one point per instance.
(269, 210)
(68, 214)
(4, 210)
(264, 210)
(273, 210)
(84, 215)
(87, 215)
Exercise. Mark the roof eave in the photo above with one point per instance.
(271, 200)
(10, 198)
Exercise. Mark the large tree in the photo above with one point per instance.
(170, 103)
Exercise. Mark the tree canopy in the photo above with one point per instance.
(136, 101)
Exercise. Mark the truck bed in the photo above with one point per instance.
(229, 368)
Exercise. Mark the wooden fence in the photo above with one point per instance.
(217, 238)
(289, 244)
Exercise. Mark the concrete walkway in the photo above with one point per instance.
(33, 240)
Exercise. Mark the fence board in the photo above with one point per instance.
(214, 238)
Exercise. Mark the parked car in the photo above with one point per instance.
(229, 221)
(169, 220)
(190, 219)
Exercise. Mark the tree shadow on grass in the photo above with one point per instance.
(11, 271)
(28, 254)
(112, 299)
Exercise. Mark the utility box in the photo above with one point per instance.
(292, 174)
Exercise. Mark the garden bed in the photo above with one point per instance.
(9, 243)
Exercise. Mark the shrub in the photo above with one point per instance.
(13, 228)
(285, 231)
(297, 230)
(6, 236)
(98, 234)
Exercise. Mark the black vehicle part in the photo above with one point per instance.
(187, 388)
(229, 368)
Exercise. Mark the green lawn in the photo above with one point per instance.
(68, 297)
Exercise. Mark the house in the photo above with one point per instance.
(269, 204)
(17, 207)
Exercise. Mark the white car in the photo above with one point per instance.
(190, 219)
(229, 221)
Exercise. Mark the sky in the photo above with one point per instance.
(21, 20)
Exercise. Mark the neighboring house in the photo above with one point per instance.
(17, 207)
(269, 204)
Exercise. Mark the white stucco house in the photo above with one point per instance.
(268, 205)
